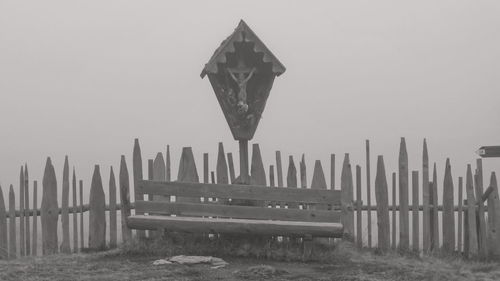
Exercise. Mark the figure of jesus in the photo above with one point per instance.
(241, 75)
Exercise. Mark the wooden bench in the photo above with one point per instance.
(324, 221)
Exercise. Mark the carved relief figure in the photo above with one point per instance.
(241, 75)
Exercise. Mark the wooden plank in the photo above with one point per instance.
(65, 248)
(460, 216)
(137, 174)
(436, 211)
(426, 231)
(271, 175)
(113, 236)
(22, 241)
(404, 225)
(233, 211)
(27, 234)
(279, 170)
(206, 177)
(257, 171)
(4, 248)
(393, 225)
(231, 167)
(346, 186)
(415, 217)
(187, 173)
(448, 219)
(471, 215)
(49, 210)
(332, 171)
(217, 225)
(368, 194)
(34, 244)
(359, 202)
(494, 213)
(167, 165)
(12, 224)
(303, 172)
(247, 192)
(482, 239)
(97, 213)
(382, 206)
(125, 200)
(82, 240)
(75, 214)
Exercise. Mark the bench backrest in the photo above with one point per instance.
(321, 202)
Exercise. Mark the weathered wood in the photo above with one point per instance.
(368, 194)
(466, 251)
(221, 166)
(212, 176)
(271, 175)
(217, 225)
(75, 214)
(231, 166)
(49, 210)
(448, 219)
(382, 206)
(291, 177)
(4, 245)
(22, 241)
(404, 225)
(347, 195)
(167, 165)
(12, 224)
(482, 238)
(150, 176)
(494, 215)
(245, 192)
(436, 213)
(187, 173)
(460, 215)
(318, 179)
(97, 213)
(471, 215)
(82, 240)
(65, 248)
(415, 217)
(257, 171)
(241, 212)
(159, 169)
(27, 234)
(125, 200)
(393, 224)
(279, 169)
(359, 202)
(34, 244)
(431, 215)
(244, 177)
(303, 172)
(426, 230)
(137, 174)
(113, 237)
(332, 171)
(206, 177)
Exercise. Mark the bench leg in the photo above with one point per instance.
(307, 243)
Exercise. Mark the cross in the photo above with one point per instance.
(489, 151)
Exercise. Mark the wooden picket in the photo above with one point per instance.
(12, 224)
(113, 236)
(75, 214)
(381, 196)
(426, 231)
(404, 226)
(49, 210)
(97, 213)
(65, 209)
(448, 219)
(415, 216)
(125, 200)
(4, 248)
(346, 186)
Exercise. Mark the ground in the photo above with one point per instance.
(346, 263)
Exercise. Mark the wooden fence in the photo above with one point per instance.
(467, 225)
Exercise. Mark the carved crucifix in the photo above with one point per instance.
(241, 74)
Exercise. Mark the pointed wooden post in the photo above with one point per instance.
(257, 171)
(34, 244)
(49, 210)
(303, 172)
(291, 181)
(435, 214)
(97, 213)
(393, 225)
(187, 173)
(125, 200)
(318, 180)
(415, 217)
(65, 209)
(75, 214)
(82, 240)
(27, 211)
(382, 206)
(279, 170)
(221, 165)
(205, 169)
(426, 230)
(448, 219)
(332, 171)
(159, 168)
(150, 177)
(494, 214)
(271, 175)
(212, 177)
(466, 251)
(347, 195)
(167, 165)
(231, 167)
(12, 224)
(137, 173)
(359, 203)
(471, 215)
(368, 194)
(404, 226)
(482, 239)
(4, 248)
(460, 215)
(113, 237)
(22, 241)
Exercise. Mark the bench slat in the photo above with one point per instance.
(241, 212)
(245, 192)
(212, 225)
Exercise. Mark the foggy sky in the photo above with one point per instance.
(84, 78)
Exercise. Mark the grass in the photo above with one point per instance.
(249, 259)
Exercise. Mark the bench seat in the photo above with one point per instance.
(241, 226)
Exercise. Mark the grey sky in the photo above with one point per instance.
(84, 78)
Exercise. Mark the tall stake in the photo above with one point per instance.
(244, 173)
